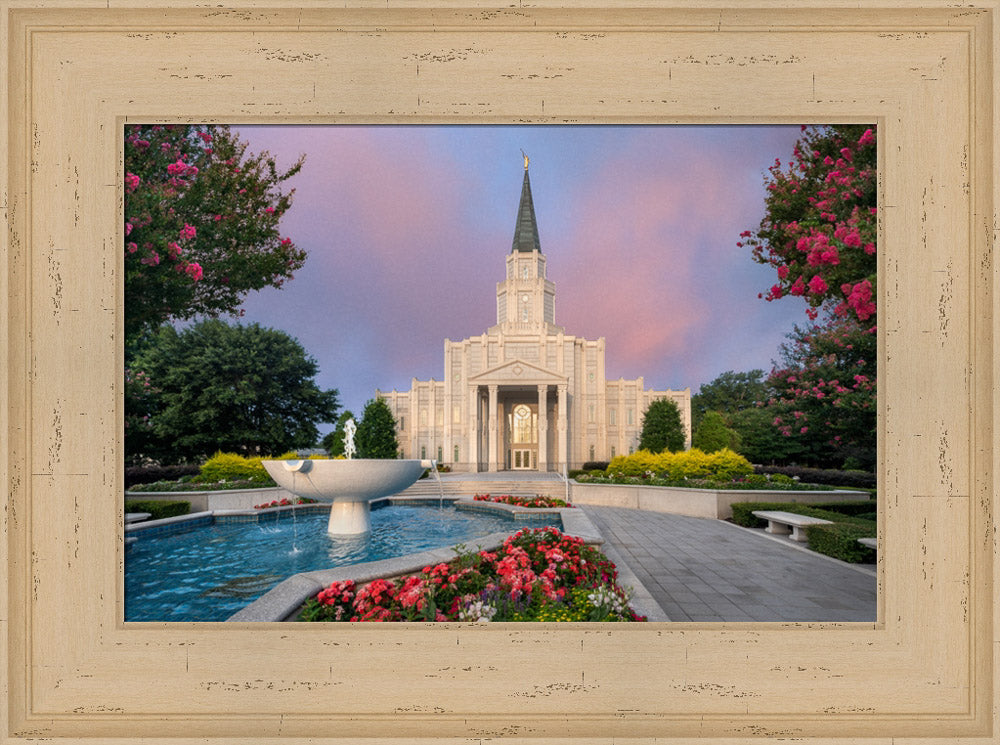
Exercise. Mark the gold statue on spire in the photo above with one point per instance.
(525, 159)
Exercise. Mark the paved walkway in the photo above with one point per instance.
(710, 570)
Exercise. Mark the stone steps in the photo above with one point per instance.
(467, 488)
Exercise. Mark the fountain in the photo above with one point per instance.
(348, 485)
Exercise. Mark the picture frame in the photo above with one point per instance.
(73, 76)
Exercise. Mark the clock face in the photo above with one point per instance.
(524, 298)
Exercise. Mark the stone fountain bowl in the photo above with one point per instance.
(360, 480)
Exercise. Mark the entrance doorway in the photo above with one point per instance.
(522, 425)
(522, 460)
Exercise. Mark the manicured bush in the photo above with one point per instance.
(853, 509)
(722, 465)
(743, 512)
(150, 474)
(840, 540)
(855, 479)
(158, 510)
(233, 467)
(595, 465)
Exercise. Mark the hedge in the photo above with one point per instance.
(158, 510)
(833, 540)
(832, 477)
(151, 474)
(234, 467)
(721, 465)
(840, 540)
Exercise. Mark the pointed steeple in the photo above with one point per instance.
(526, 230)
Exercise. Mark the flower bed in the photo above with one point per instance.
(537, 575)
(773, 482)
(536, 502)
(284, 503)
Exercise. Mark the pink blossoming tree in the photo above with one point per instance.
(201, 224)
(819, 234)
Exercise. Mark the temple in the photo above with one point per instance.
(524, 394)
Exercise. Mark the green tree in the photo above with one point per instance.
(661, 427)
(333, 443)
(712, 434)
(376, 434)
(244, 389)
(201, 225)
(728, 393)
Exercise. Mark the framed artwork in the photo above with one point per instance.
(73, 78)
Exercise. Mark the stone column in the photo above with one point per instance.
(562, 426)
(543, 428)
(473, 428)
(492, 439)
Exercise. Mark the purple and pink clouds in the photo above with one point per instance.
(407, 228)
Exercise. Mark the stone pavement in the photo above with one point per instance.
(710, 570)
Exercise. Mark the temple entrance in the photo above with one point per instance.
(522, 425)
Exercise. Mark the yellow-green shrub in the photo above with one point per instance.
(233, 467)
(722, 465)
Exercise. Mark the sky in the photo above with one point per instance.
(407, 228)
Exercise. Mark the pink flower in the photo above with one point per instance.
(131, 247)
(798, 288)
(194, 271)
(782, 272)
(817, 285)
(128, 228)
(174, 250)
(131, 182)
(867, 138)
(218, 217)
(188, 232)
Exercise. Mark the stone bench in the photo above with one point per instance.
(783, 523)
(868, 542)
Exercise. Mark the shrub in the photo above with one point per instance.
(713, 434)
(840, 540)
(158, 510)
(151, 474)
(743, 512)
(832, 477)
(722, 465)
(595, 465)
(853, 509)
(233, 467)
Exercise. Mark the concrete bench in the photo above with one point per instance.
(868, 542)
(783, 523)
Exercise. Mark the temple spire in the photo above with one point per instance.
(526, 230)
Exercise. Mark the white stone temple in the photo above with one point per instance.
(524, 394)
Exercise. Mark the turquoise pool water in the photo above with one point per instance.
(210, 572)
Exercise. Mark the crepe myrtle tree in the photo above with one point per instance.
(234, 388)
(376, 433)
(819, 234)
(201, 225)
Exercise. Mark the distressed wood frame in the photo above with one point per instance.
(75, 72)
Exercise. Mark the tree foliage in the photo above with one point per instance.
(819, 228)
(201, 224)
(661, 427)
(819, 233)
(215, 386)
(728, 393)
(712, 434)
(376, 434)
